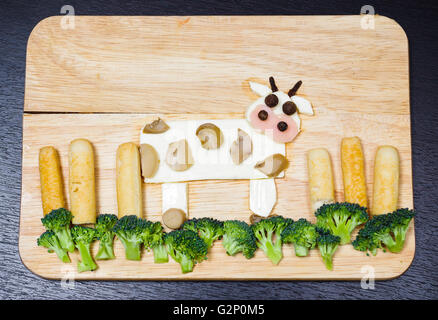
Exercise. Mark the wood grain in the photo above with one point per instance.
(219, 199)
(197, 70)
(197, 64)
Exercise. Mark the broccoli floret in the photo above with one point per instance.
(399, 227)
(129, 230)
(341, 218)
(105, 234)
(387, 230)
(208, 229)
(153, 238)
(59, 221)
(83, 237)
(365, 243)
(50, 241)
(327, 244)
(268, 234)
(302, 234)
(186, 248)
(239, 237)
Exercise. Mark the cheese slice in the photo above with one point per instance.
(211, 164)
(262, 196)
(174, 195)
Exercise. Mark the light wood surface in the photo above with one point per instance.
(198, 67)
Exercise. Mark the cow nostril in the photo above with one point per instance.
(282, 126)
(263, 115)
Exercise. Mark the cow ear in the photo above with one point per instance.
(303, 106)
(260, 89)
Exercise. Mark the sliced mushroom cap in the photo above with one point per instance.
(178, 156)
(241, 149)
(272, 165)
(210, 136)
(149, 160)
(173, 218)
(255, 218)
(156, 126)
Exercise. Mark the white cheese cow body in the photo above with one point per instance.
(267, 139)
(211, 164)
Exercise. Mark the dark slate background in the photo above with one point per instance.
(419, 20)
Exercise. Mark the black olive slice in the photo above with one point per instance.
(282, 126)
(271, 100)
(263, 115)
(289, 108)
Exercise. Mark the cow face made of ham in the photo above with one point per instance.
(276, 113)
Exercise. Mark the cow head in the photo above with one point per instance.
(276, 113)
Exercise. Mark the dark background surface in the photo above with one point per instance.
(419, 20)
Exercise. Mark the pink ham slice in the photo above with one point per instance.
(269, 126)
(289, 134)
(262, 124)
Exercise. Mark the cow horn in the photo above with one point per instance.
(295, 88)
(273, 85)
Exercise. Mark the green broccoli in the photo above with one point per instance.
(208, 229)
(83, 237)
(186, 248)
(59, 221)
(327, 244)
(341, 218)
(50, 241)
(239, 237)
(268, 234)
(302, 234)
(153, 238)
(105, 234)
(129, 230)
(387, 230)
(365, 243)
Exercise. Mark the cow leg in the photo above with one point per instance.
(174, 196)
(262, 196)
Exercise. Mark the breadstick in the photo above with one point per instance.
(321, 185)
(129, 199)
(81, 182)
(52, 191)
(386, 177)
(353, 171)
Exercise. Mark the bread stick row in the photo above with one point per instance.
(82, 184)
(386, 177)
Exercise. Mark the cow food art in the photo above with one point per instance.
(251, 148)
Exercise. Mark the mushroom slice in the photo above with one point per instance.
(241, 149)
(149, 160)
(178, 156)
(156, 126)
(254, 218)
(272, 165)
(210, 136)
(173, 218)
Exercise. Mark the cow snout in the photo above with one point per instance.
(282, 128)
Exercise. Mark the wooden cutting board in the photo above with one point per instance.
(101, 79)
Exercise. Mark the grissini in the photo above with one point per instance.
(52, 189)
(320, 172)
(353, 171)
(129, 199)
(82, 182)
(386, 180)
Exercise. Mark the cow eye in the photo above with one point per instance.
(289, 108)
(271, 100)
